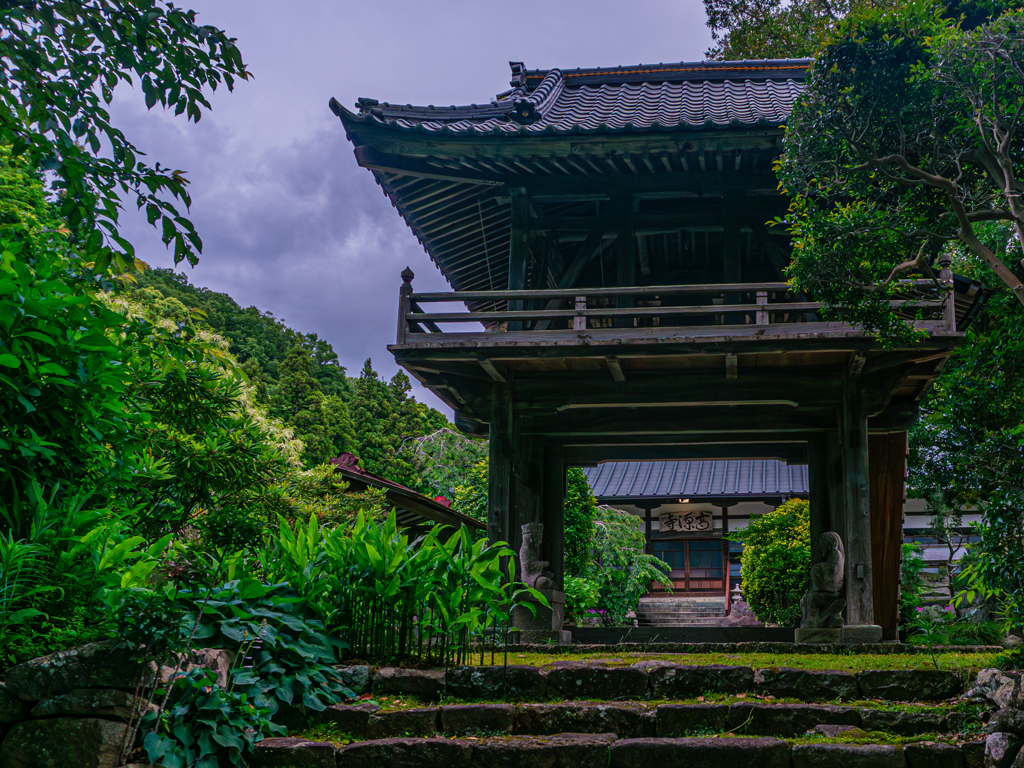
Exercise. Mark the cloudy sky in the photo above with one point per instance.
(290, 223)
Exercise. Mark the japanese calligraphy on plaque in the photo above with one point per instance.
(680, 522)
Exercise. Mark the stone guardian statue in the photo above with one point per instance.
(823, 604)
(534, 573)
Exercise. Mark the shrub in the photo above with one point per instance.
(580, 507)
(776, 562)
(620, 564)
(580, 595)
(910, 583)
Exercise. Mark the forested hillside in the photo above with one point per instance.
(297, 377)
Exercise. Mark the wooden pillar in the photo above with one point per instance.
(731, 245)
(887, 460)
(857, 507)
(648, 530)
(499, 470)
(518, 250)
(820, 512)
(553, 511)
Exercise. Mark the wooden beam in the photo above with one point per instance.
(731, 366)
(499, 467)
(791, 453)
(518, 251)
(370, 158)
(590, 248)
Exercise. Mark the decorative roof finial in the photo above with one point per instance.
(407, 276)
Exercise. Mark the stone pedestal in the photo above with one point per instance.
(862, 634)
(542, 624)
(818, 635)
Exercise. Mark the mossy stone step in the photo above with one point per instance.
(570, 750)
(658, 680)
(624, 719)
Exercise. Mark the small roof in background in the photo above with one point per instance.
(412, 509)
(625, 481)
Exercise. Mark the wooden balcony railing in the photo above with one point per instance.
(751, 306)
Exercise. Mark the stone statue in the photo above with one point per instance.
(534, 574)
(823, 604)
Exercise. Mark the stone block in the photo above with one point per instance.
(108, 703)
(1001, 749)
(405, 753)
(424, 683)
(928, 754)
(903, 722)
(623, 720)
(818, 635)
(566, 750)
(974, 754)
(403, 722)
(700, 753)
(861, 634)
(489, 719)
(908, 684)
(12, 708)
(293, 753)
(516, 682)
(787, 720)
(95, 665)
(62, 743)
(688, 681)
(682, 720)
(1007, 721)
(848, 756)
(355, 677)
(351, 720)
(805, 684)
(591, 681)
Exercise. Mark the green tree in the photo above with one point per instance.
(770, 29)
(905, 139)
(321, 421)
(776, 562)
(580, 509)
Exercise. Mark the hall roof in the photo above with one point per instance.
(625, 481)
(687, 95)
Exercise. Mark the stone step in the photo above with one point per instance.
(660, 680)
(607, 750)
(634, 720)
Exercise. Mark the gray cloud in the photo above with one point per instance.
(289, 222)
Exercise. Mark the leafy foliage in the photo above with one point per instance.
(776, 562)
(996, 574)
(770, 29)
(904, 139)
(60, 64)
(620, 564)
(205, 726)
(447, 459)
(581, 595)
(580, 509)
(289, 652)
(911, 566)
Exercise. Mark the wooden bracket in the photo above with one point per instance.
(491, 369)
(615, 368)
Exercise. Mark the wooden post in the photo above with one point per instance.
(761, 317)
(518, 250)
(648, 530)
(949, 306)
(725, 558)
(404, 304)
(887, 459)
(499, 469)
(857, 537)
(820, 511)
(579, 323)
(553, 511)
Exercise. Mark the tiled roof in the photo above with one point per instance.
(636, 480)
(641, 98)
